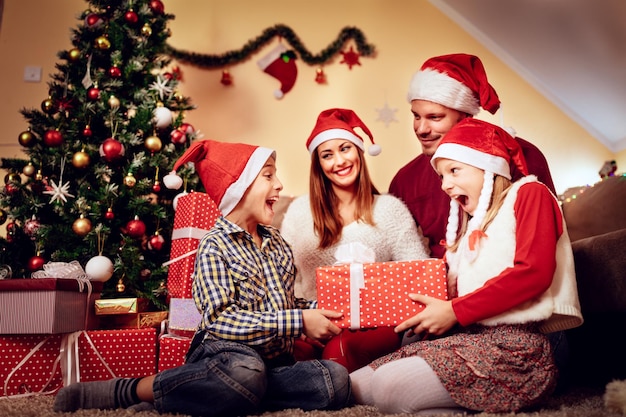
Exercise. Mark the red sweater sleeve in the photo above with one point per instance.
(538, 227)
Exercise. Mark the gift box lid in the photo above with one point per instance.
(46, 284)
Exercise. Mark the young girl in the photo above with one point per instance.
(343, 206)
(511, 276)
(241, 358)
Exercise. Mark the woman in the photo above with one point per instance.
(343, 206)
(511, 279)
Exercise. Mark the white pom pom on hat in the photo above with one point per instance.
(339, 123)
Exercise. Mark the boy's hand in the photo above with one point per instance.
(317, 325)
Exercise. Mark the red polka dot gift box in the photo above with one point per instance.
(196, 214)
(172, 351)
(376, 294)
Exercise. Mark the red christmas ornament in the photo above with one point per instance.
(135, 228)
(93, 21)
(157, 7)
(226, 78)
(156, 242)
(109, 215)
(178, 137)
(115, 72)
(156, 187)
(31, 227)
(131, 17)
(93, 94)
(10, 188)
(52, 138)
(350, 58)
(87, 132)
(320, 77)
(111, 150)
(11, 231)
(36, 263)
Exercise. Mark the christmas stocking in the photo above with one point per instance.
(280, 64)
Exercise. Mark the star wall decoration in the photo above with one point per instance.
(386, 114)
(350, 58)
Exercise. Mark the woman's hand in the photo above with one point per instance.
(437, 317)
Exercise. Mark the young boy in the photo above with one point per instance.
(240, 360)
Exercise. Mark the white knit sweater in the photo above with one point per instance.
(394, 238)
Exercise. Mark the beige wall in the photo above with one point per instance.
(405, 32)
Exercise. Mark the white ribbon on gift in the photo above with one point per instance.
(355, 254)
(186, 233)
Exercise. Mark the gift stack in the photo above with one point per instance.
(196, 213)
(48, 335)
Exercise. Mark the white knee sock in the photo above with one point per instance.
(361, 380)
(409, 385)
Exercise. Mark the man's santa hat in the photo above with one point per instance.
(456, 81)
(280, 63)
(339, 124)
(485, 146)
(225, 169)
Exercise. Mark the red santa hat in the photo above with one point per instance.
(225, 169)
(280, 63)
(457, 81)
(339, 124)
(485, 146)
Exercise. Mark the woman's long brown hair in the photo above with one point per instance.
(325, 205)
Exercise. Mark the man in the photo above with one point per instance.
(446, 90)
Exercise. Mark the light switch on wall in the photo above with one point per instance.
(32, 74)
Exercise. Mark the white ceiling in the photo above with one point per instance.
(572, 51)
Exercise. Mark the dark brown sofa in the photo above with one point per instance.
(596, 222)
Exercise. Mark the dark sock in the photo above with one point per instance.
(110, 394)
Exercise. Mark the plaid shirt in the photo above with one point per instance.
(246, 293)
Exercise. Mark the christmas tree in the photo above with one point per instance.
(97, 151)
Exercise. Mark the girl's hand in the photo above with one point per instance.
(437, 317)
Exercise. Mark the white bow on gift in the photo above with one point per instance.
(355, 254)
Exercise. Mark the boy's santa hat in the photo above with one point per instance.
(339, 124)
(225, 169)
(456, 81)
(485, 146)
(280, 63)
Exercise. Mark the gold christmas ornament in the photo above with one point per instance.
(29, 170)
(74, 54)
(120, 286)
(146, 30)
(81, 159)
(102, 42)
(39, 175)
(81, 226)
(130, 180)
(27, 139)
(114, 102)
(47, 106)
(153, 143)
(12, 177)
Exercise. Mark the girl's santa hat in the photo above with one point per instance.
(225, 169)
(485, 146)
(456, 81)
(339, 124)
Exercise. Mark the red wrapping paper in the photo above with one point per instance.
(383, 298)
(196, 213)
(118, 353)
(27, 364)
(172, 351)
(47, 305)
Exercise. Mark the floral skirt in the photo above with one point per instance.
(489, 368)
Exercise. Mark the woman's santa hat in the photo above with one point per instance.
(225, 169)
(456, 81)
(339, 124)
(485, 146)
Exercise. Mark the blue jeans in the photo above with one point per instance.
(222, 378)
